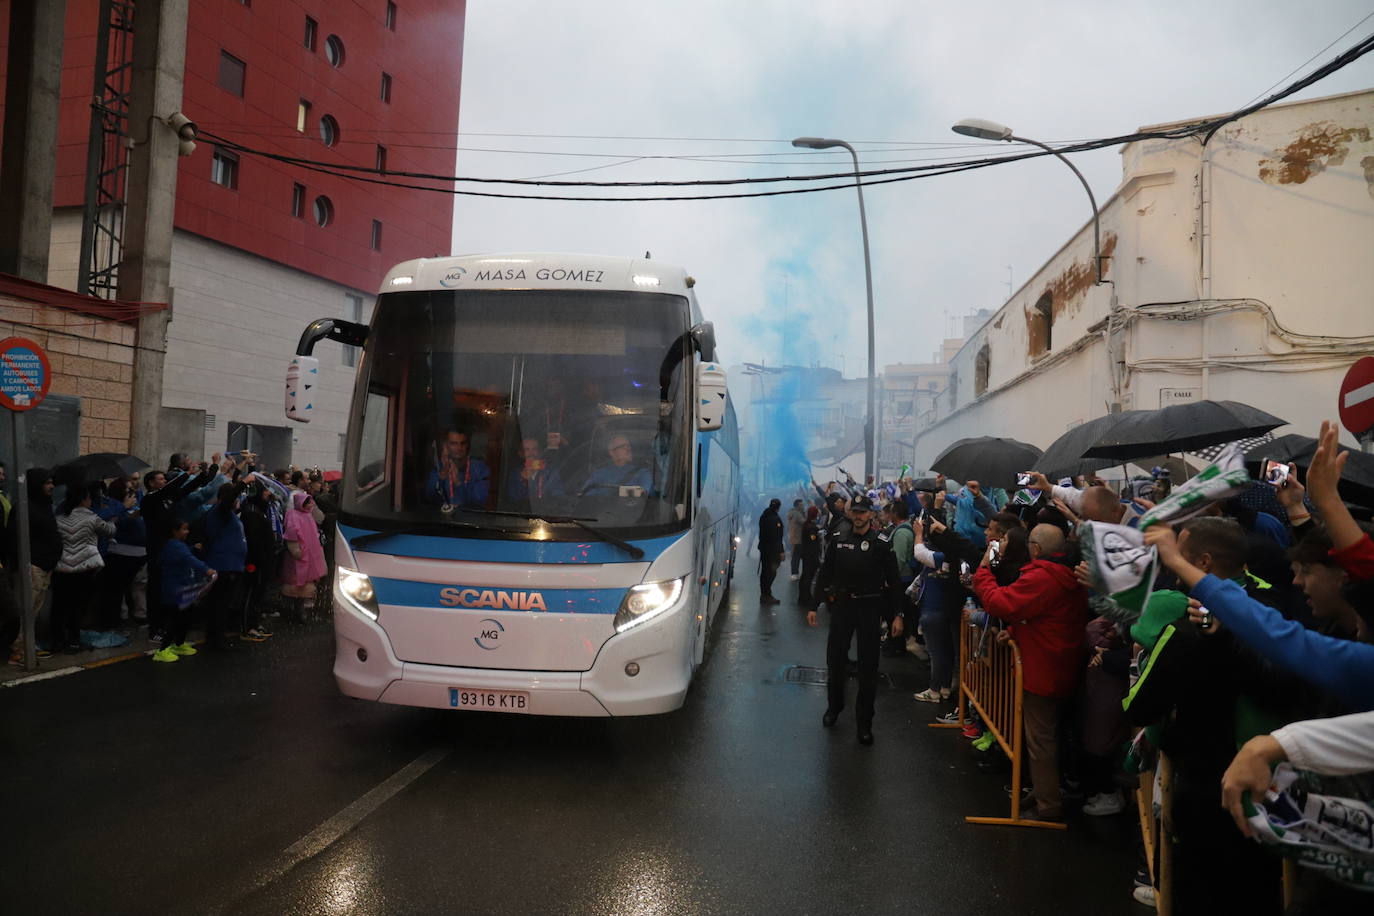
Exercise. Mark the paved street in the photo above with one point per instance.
(246, 784)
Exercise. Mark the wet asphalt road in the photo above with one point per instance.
(246, 784)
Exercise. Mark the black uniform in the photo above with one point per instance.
(770, 550)
(859, 580)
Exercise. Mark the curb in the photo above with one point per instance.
(74, 669)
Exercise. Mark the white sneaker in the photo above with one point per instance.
(1105, 804)
(1145, 895)
(916, 649)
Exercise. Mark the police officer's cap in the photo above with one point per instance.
(862, 503)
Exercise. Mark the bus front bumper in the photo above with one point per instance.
(366, 667)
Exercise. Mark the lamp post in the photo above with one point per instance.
(870, 456)
(991, 130)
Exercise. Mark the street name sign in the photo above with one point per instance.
(26, 374)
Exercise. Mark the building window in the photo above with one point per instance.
(982, 364)
(334, 50)
(302, 114)
(386, 87)
(298, 201)
(231, 72)
(329, 130)
(1041, 322)
(311, 30)
(354, 310)
(376, 235)
(390, 15)
(381, 158)
(224, 169)
(324, 211)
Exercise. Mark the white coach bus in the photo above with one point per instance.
(540, 487)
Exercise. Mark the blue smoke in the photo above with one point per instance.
(784, 340)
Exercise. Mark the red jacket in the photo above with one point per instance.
(1357, 559)
(1048, 612)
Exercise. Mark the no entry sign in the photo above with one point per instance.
(25, 374)
(1357, 397)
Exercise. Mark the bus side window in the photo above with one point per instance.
(374, 468)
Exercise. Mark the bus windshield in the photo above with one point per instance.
(508, 409)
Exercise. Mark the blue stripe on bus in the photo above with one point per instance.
(492, 550)
(406, 593)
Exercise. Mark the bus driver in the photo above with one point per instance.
(621, 472)
(457, 478)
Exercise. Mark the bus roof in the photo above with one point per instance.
(538, 270)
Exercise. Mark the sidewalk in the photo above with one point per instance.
(61, 663)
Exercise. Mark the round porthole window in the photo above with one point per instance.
(334, 50)
(324, 211)
(329, 130)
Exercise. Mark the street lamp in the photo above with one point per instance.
(870, 458)
(991, 130)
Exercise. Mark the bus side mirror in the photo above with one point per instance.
(301, 378)
(710, 396)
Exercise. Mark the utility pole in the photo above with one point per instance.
(145, 271)
(32, 96)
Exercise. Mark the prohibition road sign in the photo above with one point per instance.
(26, 374)
(1357, 397)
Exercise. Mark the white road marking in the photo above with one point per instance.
(325, 835)
(44, 676)
(1359, 395)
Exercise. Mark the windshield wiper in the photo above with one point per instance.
(606, 536)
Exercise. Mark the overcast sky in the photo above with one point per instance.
(783, 277)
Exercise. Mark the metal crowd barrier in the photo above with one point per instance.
(990, 679)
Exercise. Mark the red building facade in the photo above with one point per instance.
(346, 82)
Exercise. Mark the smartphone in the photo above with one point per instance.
(994, 548)
(964, 569)
(1023, 480)
(1275, 472)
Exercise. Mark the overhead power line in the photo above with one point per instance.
(1202, 129)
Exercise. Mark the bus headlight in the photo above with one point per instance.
(645, 602)
(357, 591)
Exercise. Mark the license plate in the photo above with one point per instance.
(488, 700)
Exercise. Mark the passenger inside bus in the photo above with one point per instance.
(534, 478)
(457, 479)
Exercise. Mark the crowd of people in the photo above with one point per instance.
(217, 543)
(1252, 646)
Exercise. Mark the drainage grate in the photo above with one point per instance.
(800, 674)
(819, 677)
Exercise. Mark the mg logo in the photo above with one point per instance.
(453, 277)
(489, 634)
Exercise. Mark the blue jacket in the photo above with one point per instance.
(971, 516)
(1343, 668)
(472, 491)
(226, 545)
(181, 572)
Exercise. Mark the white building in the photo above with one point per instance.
(1242, 270)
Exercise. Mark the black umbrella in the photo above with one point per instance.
(98, 466)
(993, 462)
(1357, 479)
(1064, 457)
(1182, 428)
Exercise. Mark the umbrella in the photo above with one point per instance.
(331, 476)
(1064, 457)
(1182, 428)
(1357, 480)
(993, 462)
(98, 466)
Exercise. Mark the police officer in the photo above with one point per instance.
(859, 581)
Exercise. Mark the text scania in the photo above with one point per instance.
(492, 598)
(569, 274)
